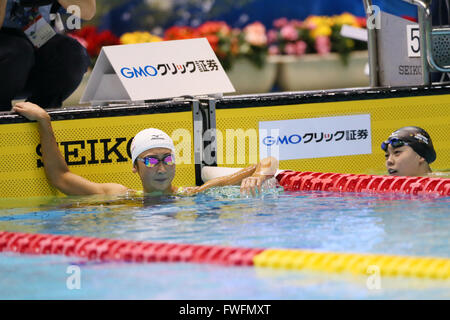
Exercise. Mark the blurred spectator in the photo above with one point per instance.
(36, 62)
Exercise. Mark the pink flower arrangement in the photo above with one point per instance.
(228, 44)
(289, 32)
(255, 34)
(323, 45)
(280, 23)
(316, 34)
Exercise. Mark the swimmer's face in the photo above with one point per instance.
(403, 161)
(159, 177)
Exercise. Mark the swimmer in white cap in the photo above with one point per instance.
(153, 159)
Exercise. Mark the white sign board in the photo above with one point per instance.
(156, 70)
(315, 137)
(413, 40)
(354, 33)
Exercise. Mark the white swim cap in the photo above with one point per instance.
(148, 139)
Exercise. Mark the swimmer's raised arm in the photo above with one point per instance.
(55, 166)
(231, 179)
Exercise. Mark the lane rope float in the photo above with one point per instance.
(339, 182)
(101, 249)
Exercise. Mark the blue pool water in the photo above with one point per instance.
(322, 221)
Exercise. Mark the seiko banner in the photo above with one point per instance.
(315, 137)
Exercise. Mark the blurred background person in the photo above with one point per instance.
(37, 62)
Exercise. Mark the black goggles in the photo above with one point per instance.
(394, 142)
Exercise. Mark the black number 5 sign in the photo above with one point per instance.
(413, 37)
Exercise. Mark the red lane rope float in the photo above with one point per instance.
(124, 250)
(339, 182)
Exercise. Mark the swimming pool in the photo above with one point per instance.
(314, 220)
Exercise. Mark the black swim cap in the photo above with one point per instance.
(418, 139)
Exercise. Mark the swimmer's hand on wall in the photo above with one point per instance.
(31, 111)
(251, 184)
(266, 169)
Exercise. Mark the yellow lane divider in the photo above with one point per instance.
(422, 267)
